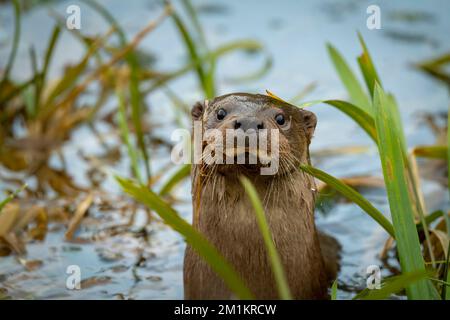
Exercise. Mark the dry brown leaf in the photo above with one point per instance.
(58, 180)
(8, 218)
(26, 218)
(30, 265)
(5, 250)
(387, 246)
(94, 281)
(14, 243)
(78, 216)
(439, 243)
(13, 160)
(40, 230)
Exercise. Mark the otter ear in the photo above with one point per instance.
(198, 109)
(310, 122)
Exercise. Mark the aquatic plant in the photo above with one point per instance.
(377, 114)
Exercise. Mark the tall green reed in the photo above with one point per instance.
(198, 242)
(136, 96)
(272, 253)
(378, 115)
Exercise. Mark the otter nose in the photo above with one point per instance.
(248, 123)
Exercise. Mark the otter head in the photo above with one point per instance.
(247, 133)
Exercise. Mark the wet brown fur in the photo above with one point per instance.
(223, 213)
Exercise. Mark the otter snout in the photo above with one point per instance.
(248, 123)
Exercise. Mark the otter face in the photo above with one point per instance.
(252, 132)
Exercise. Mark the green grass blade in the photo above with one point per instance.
(50, 50)
(361, 117)
(85, 40)
(183, 172)
(430, 218)
(352, 195)
(187, 4)
(334, 288)
(445, 290)
(16, 40)
(303, 93)
(448, 147)
(109, 18)
(392, 285)
(137, 114)
(446, 276)
(43, 74)
(18, 89)
(274, 258)
(181, 108)
(392, 157)
(31, 101)
(194, 56)
(135, 92)
(367, 67)
(411, 177)
(307, 104)
(239, 45)
(9, 198)
(125, 133)
(351, 83)
(193, 237)
(265, 68)
(392, 105)
(70, 77)
(210, 71)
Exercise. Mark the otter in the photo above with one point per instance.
(223, 213)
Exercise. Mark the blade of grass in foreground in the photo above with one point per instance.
(411, 175)
(334, 290)
(351, 83)
(361, 117)
(391, 154)
(178, 176)
(11, 197)
(193, 237)
(274, 258)
(445, 290)
(448, 147)
(352, 195)
(367, 67)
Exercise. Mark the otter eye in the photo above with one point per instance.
(221, 114)
(280, 119)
